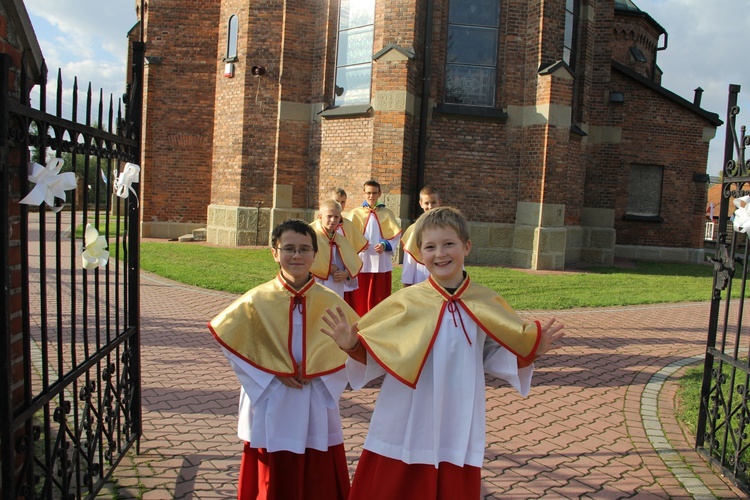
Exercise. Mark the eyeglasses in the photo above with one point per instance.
(303, 251)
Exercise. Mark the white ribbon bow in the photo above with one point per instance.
(94, 251)
(124, 182)
(50, 184)
(741, 221)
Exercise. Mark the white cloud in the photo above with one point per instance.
(88, 24)
(86, 39)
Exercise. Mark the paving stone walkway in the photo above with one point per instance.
(598, 423)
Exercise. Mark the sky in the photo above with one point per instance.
(86, 39)
(707, 48)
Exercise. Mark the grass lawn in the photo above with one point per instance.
(237, 270)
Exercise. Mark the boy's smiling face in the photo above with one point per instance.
(295, 264)
(443, 254)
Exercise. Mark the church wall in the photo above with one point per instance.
(178, 113)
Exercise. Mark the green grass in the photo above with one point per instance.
(237, 270)
(688, 407)
(101, 226)
(646, 283)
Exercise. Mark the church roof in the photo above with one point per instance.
(628, 8)
(626, 5)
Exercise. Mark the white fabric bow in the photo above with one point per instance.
(124, 182)
(50, 183)
(741, 221)
(95, 253)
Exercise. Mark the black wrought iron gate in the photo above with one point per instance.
(724, 420)
(70, 360)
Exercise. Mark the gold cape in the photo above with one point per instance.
(400, 331)
(389, 228)
(258, 328)
(409, 242)
(321, 267)
(353, 236)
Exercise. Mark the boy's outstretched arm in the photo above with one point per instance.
(551, 333)
(340, 331)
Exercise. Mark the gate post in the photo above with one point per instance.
(134, 271)
(721, 246)
(11, 377)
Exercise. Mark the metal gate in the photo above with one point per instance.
(722, 434)
(70, 360)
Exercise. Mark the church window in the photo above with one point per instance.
(354, 54)
(471, 66)
(232, 39)
(644, 192)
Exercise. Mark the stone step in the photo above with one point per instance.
(199, 234)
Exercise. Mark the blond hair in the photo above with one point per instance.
(330, 203)
(444, 217)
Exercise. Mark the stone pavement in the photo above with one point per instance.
(598, 423)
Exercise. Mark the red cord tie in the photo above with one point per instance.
(455, 310)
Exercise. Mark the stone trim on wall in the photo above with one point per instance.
(661, 254)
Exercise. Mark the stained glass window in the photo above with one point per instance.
(354, 55)
(471, 66)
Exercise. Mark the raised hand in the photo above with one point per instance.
(551, 333)
(340, 331)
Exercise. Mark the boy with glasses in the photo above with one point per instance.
(291, 377)
(383, 232)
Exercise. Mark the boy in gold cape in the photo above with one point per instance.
(336, 262)
(292, 377)
(434, 342)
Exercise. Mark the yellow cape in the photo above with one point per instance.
(389, 228)
(399, 332)
(353, 235)
(321, 267)
(409, 242)
(258, 328)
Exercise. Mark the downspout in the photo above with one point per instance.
(664, 47)
(423, 108)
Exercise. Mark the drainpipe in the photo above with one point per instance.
(664, 47)
(423, 108)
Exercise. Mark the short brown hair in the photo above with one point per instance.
(442, 217)
(428, 190)
(371, 183)
(295, 225)
(337, 191)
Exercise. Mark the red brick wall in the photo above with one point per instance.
(178, 109)
(10, 45)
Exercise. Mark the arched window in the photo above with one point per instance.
(232, 27)
(354, 54)
(471, 66)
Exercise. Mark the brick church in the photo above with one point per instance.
(544, 121)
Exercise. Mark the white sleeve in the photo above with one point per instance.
(330, 387)
(501, 363)
(360, 374)
(257, 384)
